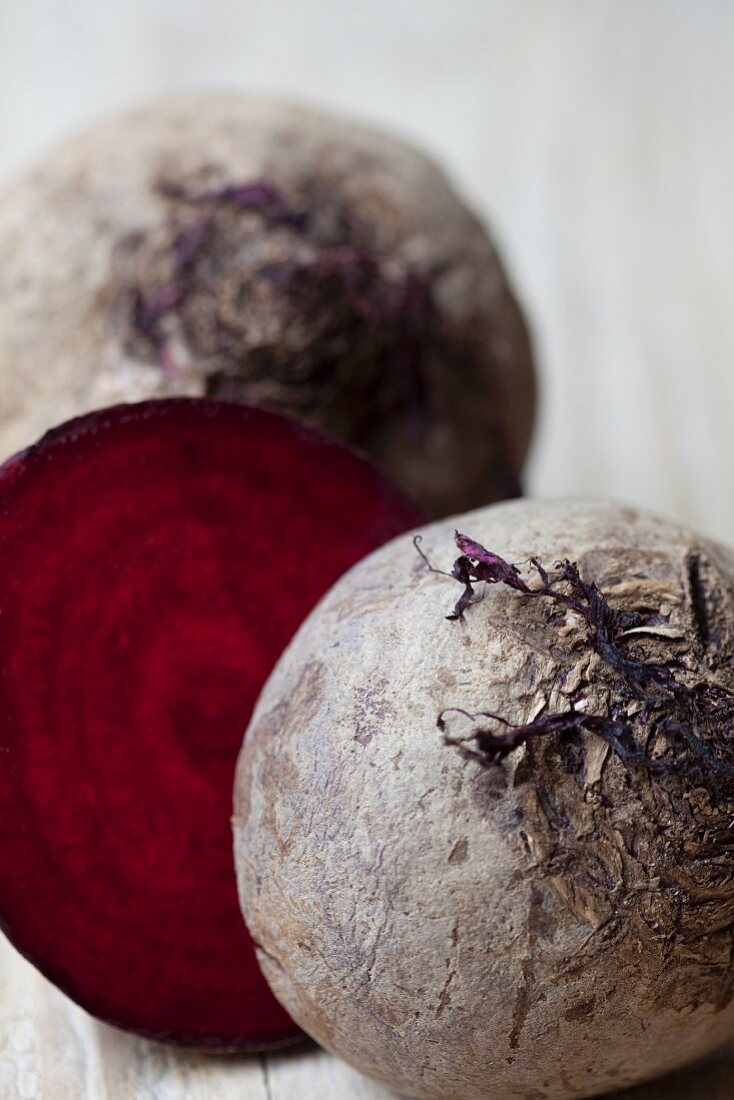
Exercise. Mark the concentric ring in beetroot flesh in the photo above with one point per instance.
(155, 559)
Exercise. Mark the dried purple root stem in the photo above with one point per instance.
(258, 195)
(699, 718)
(493, 747)
(151, 309)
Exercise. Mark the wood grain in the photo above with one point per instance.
(599, 136)
(52, 1050)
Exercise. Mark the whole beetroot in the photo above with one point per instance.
(492, 857)
(225, 246)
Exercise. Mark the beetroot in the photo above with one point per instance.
(224, 246)
(156, 559)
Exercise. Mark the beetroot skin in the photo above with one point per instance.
(156, 560)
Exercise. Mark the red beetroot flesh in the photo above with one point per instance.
(156, 559)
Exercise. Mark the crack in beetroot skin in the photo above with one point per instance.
(697, 719)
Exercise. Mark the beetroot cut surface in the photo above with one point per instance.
(156, 559)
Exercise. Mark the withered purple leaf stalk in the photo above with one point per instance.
(669, 713)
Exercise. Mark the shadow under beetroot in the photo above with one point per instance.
(712, 1079)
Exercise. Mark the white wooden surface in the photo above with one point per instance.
(599, 136)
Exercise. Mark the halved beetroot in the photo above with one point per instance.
(155, 559)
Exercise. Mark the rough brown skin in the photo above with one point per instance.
(552, 929)
(364, 298)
